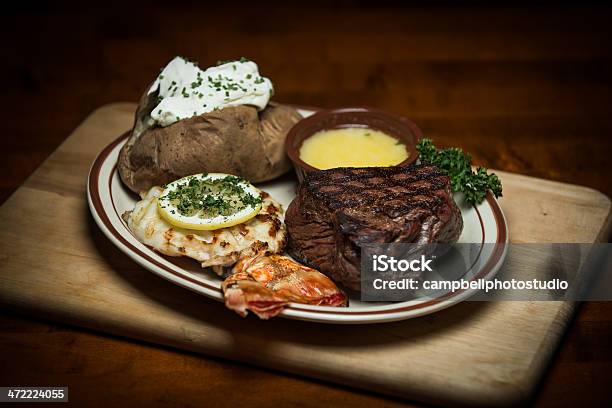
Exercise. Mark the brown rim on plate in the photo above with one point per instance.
(94, 185)
(394, 125)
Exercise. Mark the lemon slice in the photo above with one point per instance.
(209, 201)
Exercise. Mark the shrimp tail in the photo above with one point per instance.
(246, 295)
(266, 285)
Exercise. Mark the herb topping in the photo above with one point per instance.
(211, 198)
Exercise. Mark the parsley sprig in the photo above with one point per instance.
(458, 165)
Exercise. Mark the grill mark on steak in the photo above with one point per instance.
(338, 211)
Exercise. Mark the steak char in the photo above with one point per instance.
(338, 211)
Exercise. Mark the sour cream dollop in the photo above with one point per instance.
(186, 91)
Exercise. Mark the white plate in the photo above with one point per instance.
(108, 198)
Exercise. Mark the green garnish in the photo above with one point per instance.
(197, 83)
(211, 198)
(458, 165)
(242, 59)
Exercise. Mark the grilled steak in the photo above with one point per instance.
(337, 211)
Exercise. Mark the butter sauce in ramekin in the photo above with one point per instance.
(348, 137)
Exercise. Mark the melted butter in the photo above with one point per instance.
(352, 147)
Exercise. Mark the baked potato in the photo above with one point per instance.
(235, 140)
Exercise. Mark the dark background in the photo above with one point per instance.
(524, 88)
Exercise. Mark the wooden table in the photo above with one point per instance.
(524, 90)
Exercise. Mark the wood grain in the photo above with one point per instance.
(525, 89)
(467, 354)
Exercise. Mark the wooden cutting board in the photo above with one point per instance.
(55, 263)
